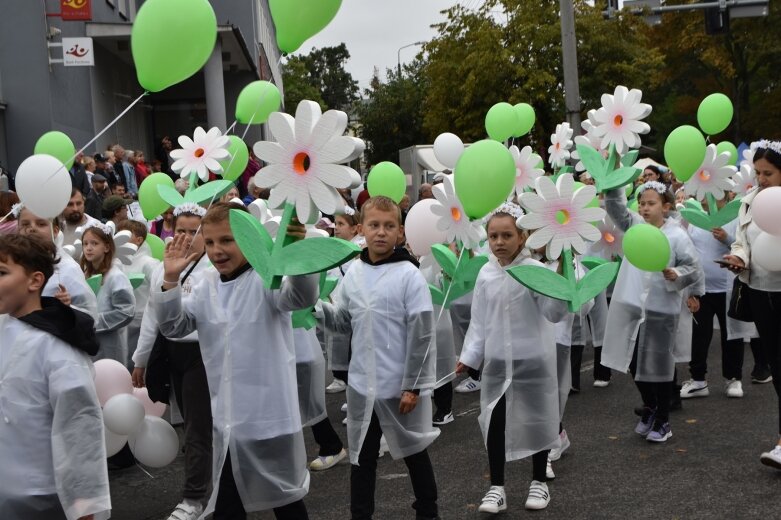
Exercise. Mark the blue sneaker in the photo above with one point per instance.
(646, 422)
(660, 432)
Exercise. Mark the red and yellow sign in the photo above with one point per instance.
(76, 9)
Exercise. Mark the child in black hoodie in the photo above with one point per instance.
(51, 428)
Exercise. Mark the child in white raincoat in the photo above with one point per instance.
(51, 432)
(643, 319)
(116, 302)
(512, 335)
(246, 339)
(385, 301)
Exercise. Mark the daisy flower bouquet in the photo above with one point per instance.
(709, 184)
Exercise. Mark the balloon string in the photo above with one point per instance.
(6, 216)
(145, 471)
(112, 123)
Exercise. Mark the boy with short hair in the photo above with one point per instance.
(385, 301)
(245, 334)
(51, 439)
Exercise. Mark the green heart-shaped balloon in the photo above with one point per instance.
(171, 40)
(298, 20)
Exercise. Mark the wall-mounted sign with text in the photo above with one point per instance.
(76, 10)
(77, 52)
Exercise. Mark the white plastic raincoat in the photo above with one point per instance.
(310, 376)
(512, 335)
(388, 308)
(142, 263)
(51, 432)
(446, 349)
(68, 274)
(645, 308)
(116, 308)
(246, 339)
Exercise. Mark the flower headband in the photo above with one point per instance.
(98, 225)
(189, 208)
(764, 143)
(507, 208)
(657, 186)
(16, 209)
(349, 211)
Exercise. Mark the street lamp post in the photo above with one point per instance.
(398, 54)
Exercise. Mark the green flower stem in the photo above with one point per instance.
(193, 182)
(713, 209)
(283, 239)
(569, 274)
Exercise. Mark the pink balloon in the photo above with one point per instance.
(421, 228)
(151, 408)
(111, 378)
(766, 210)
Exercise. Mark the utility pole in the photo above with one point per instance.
(570, 63)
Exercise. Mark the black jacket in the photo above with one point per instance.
(74, 327)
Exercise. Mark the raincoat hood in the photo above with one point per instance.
(74, 327)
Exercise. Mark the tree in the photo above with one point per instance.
(298, 84)
(321, 71)
(391, 114)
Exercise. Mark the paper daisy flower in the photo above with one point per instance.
(526, 170)
(306, 163)
(451, 217)
(124, 249)
(587, 139)
(610, 242)
(744, 179)
(561, 216)
(561, 142)
(201, 153)
(618, 121)
(712, 177)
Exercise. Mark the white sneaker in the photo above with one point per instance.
(383, 446)
(549, 471)
(734, 388)
(772, 458)
(327, 462)
(494, 501)
(344, 421)
(693, 388)
(468, 385)
(187, 510)
(599, 383)
(556, 453)
(336, 386)
(344, 408)
(539, 497)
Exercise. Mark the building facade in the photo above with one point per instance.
(38, 94)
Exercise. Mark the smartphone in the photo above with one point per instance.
(728, 265)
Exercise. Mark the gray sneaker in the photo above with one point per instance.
(660, 432)
(646, 422)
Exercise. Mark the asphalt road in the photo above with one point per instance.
(709, 469)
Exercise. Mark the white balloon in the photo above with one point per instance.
(111, 378)
(421, 228)
(259, 209)
(43, 185)
(154, 443)
(448, 148)
(766, 251)
(114, 442)
(123, 413)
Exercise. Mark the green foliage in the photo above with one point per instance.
(320, 76)
(460, 274)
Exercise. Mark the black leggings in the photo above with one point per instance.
(443, 398)
(656, 396)
(326, 438)
(766, 306)
(495, 446)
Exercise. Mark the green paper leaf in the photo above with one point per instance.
(630, 158)
(313, 255)
(95, 282)
(208, 192)
(694, 204)
(697, 218)
(170, 195)
(591, 262)
(469, 269)
(543, 281)
(254, 241)
(327, 286)
(437, 296)
(596, 281)
(445, 258)
(592, 160)
(618, 178)
(726, 214)
(136, 279)
(303, 319)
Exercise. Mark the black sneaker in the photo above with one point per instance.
(761, 375)
(441, 418)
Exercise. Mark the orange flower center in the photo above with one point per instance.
(562, 217)
(558, 146)
(301, 163)
(199, 152)
(618, 120)
(609, 238)
(704, 175)
(456, 214)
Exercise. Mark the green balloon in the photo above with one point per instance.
(484, 177)
(152, 205)
(501, 122)
(156, 245)
(171, 40)
(388, 180)
(634, 206)
(647, 248)
(526, 117)
(726, 146)
(715, 113)
(57, 145)
(684, 151)
(298, 20)
(256, 102)
(239, 157)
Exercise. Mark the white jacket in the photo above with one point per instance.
(755, 276)
(116, 309)
(68, 274)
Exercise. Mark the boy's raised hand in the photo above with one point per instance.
(178, 255)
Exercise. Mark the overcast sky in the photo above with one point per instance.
(373, 31)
